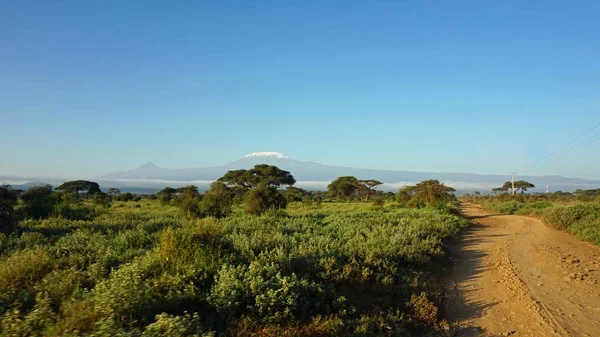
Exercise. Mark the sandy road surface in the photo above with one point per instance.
(514, 276)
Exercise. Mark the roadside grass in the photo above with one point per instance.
(581, 219)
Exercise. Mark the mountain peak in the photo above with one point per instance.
(148, 165)
(276, 155)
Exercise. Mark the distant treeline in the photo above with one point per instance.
(256, 190)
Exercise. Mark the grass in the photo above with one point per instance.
(580, 218)
(332, 269)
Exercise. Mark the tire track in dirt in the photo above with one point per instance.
(513, 275)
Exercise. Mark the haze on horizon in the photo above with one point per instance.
(93, 88)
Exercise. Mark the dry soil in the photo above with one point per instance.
(513, 275)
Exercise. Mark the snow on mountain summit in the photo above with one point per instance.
(275, 155)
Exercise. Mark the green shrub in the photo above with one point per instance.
(176, 326)
(38, 202)
(336, 270)
(261, 291)
(20, 272)
(217, 201)
(260, 199)
(8, 201)
(73, 212)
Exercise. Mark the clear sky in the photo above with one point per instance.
(92, 87)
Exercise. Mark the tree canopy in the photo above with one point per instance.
(428, 192)
(431, 191)
(262, 174)
(343, 187)
(76, 186)
(347, 187)
(520, 185)
(367, 187)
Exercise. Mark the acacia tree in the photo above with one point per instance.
(520, 185)
(343, 187)
(267, 175)
(428, 192)
(260, 185)
(432, 191)
(367, 187)
(76, 186)
(500, 189)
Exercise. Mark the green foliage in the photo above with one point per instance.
(74, 211)
(125, 197)
(8, 201)
(188, 200)
(426, 193)
(379, 202)
(102, 199)
(217, 201)
(343, 188)
(366, 188)
(263, 198)
(520, 185)
(560, 210)
(295, 194)
(341, 269)
(261, 174)
(74, 187)
(113, 192)
(261, 291)
(348, 187)
(185, 325)
(38, 202)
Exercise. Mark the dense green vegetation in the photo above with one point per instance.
(577, 213)
(243, 259)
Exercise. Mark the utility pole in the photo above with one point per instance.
(513, 183)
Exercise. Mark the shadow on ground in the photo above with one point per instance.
(467, 267)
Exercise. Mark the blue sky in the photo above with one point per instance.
(91, 87)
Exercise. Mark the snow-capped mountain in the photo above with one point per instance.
(274, 155)
(305, 171)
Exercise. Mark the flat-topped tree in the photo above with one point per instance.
(523, 186)
(261, 174)
(520, 185)
(77, 186)
(368, 186)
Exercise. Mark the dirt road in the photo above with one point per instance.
(515, 276)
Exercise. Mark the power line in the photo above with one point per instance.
(589, 141)
(568, 146)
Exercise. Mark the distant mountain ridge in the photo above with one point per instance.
(315, 172)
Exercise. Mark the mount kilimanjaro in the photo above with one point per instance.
(316, 176)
